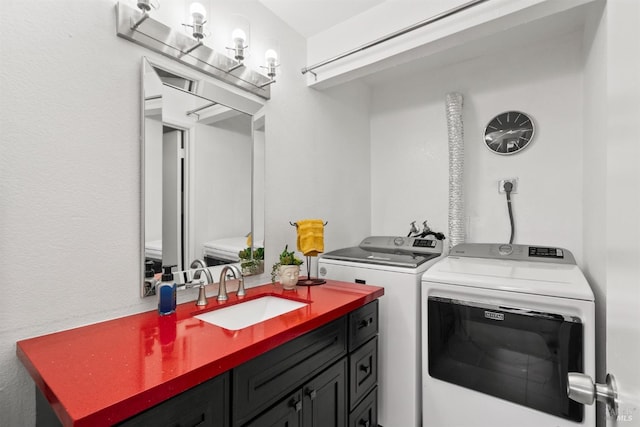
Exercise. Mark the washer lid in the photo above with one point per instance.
(393, 258)
(528, 277)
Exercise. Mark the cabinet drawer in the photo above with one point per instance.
(268, 378)
(366, 413)
(363, 325)
(205, 405)
(363, 371)
(287, 413)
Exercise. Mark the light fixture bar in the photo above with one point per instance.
(393, 35)
(192, 48)
(136, 24)
(204, 107)
(175, 45)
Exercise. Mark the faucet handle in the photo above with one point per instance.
(241, 292)
(202, 296)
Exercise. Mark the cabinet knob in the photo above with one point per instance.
(364, 423)
(365, 322)
(297, 405)
(312, 394)
(365, 368)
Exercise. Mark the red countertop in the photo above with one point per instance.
(101, 374)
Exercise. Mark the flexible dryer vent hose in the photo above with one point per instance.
(456, 168)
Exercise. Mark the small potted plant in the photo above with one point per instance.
(251, 264)
(287, 269)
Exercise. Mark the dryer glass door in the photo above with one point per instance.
(513, 354)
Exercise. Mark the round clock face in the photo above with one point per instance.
(509, 132)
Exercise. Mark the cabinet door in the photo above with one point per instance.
(363, 371)
(268, 378)
(206, 405)
(324, 401)
(366, 413)
(287, 413)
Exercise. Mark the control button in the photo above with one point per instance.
(398, 241)
(505, 249)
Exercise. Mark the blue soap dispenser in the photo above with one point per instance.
(166, 291)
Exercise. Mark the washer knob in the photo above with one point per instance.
(505, 249)
(398, 241)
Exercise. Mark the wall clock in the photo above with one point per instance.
(509, 132)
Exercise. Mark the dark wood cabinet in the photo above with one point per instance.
(286, 413)
(292, 385)
(324, 398)
(366, 413)
(318, 403)
(324, 378)
(266, 379)
(363, 372)
(363, 325)
(205, 405)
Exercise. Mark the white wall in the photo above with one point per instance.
(410, 147)
(595, 225)
(153, 179)
(222, 182)
(70, 170)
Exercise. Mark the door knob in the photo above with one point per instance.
(582, 389)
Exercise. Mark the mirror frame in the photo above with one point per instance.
(210, 89)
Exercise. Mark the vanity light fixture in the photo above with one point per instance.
(239, 37)
(145, 6)
(198, 15)
(146, 31)
(198, 18)
(271, 60)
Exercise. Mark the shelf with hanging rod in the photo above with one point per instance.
(138, 27)
(310, 69)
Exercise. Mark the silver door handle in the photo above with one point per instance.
(582, 389)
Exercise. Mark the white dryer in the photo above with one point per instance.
(502, 327)
(397, 264)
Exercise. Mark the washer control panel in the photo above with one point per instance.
(513, 252)
(416, 245)
(546, 252)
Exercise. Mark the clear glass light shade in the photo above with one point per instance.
(239, 37)
(197, 11)
(271, 56)
(144, 5)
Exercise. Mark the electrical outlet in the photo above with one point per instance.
(513, 181)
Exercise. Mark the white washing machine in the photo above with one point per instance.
(502, 327)
(397, 264)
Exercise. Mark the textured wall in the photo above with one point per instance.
(412, 170)
(70, 174)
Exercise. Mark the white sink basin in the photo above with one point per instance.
(249, 313)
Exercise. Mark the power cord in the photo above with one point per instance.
(508, 187)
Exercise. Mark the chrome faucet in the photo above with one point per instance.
(201, 267)
(222, 293)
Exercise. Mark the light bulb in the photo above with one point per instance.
(271, 56)
(198, 11)
(144, 5)
(238, 36)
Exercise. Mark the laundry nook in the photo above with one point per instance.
(320, 213)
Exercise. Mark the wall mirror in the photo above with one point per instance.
(203, 172)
